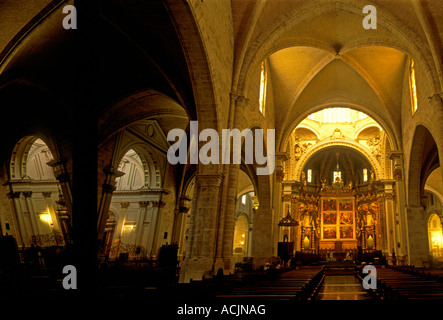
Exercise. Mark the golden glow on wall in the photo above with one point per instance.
(413, 86)
(46, 217)
(240, 232)
(263, 84)
(435, 234)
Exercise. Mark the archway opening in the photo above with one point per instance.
(435, 236)
(38, 221)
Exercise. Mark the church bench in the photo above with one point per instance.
(398, 285)
(292, 285)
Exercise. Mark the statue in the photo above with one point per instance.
(323, 184)
(303, 178)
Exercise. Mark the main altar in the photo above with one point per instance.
(333, 220)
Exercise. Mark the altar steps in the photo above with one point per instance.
(339, 268)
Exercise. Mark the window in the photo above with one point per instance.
(263, 84)
(309, 175)
(365, 175)
(243, 199)
(337, 176)
(413, 86)
(337, 115)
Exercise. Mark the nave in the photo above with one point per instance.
(287, 286)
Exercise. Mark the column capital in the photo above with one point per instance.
(109, 170)
(397, 157)
(240, 99)
(143, 204)
(209, 180)
(27, 194)
(124, 204)
(158, 204)
(280, 158)
(13, 195)
(436, 99)
(59, 169)
(54, 163)
(47, 194)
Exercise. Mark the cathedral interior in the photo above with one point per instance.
(353, 97)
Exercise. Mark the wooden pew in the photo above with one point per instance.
(396, 285)
(293, 285)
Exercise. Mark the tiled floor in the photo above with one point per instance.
(342, 287)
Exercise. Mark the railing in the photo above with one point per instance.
(48, 239)
(125, 251)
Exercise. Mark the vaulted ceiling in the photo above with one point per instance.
(320, 55)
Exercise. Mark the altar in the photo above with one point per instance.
(337, 218)
(337, 224)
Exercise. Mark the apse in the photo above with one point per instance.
(347, 164)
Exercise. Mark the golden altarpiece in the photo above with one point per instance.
(334, 219)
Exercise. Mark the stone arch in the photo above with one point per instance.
(365, 128)
(152, 164)
(19, 155)
(241, 229)
(310, 130)
(183, 17)
(314, 108)
(137, 106)
(417, 177)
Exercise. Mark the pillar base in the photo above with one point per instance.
(196, 270)
(225, 264)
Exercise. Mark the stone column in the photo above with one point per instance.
(200, 258)
(143, 205)
(279, 206)
(180, 224)
(155, 223)
(120, 224)
(63, 178)
(391, 226)
(418, 247)
(16, 217)
(26, 236)
(191, 236)
(107, 189)
(397, 162)
(30, 207)
(179, 218)
(225, 225)
(262, 246)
